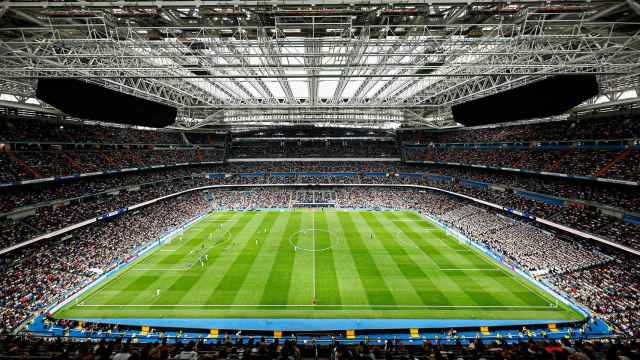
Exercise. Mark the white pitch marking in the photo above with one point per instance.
(163, 269)
(324, 305)
(472, 269)
(403, 220)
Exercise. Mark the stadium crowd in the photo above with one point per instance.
(612, 127)
(583, 218)
(616, 163)
(33, 149)
(16, 127)
(41, 274)
(261, 348)
(92, 196)
(37, 276)
(53, 217)
(612, 290)
(315, 148)
(521, 243)
(607, 194)
(31, 195)
(30, 164)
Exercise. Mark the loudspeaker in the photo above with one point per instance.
(548, 97)
(94, 102)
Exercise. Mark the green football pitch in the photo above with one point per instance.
(316, 264)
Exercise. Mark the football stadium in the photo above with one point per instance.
(335, 180)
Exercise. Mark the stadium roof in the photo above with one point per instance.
(238, 64)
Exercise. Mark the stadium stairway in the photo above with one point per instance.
(137, 159)
(556, 164)
(620, 157)
(109, 160)
(429, 154)
(522, 161)
(33, 172)
(74, 164)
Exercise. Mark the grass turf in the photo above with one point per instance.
(360, 264)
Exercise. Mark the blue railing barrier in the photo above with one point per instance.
(631, 219)
(255, 174)
(601, 146)
(316, 174)
(336, 174)
(414, 175)
(474, 184)
(215, 176)
(540, 198)
(440, 178)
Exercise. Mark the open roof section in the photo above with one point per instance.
(240, 64)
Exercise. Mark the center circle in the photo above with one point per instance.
(313, 240)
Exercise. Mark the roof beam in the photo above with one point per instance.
(262, 3)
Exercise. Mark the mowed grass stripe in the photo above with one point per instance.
(401, 289)
(465, 281)
(349, 278)
(350, 285)
(188, 285)
(198, 290)
(434, 245)
(301, 283)
(419, 280)
(432, 230)
(502, 282)
(227, 288)
(133, 285)
(174, 285)
(187, 241)
(326, 278)
(372, 279)
(276, 290)
(254, 285)
(422, 243)
(423, 259)
(190, 241)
